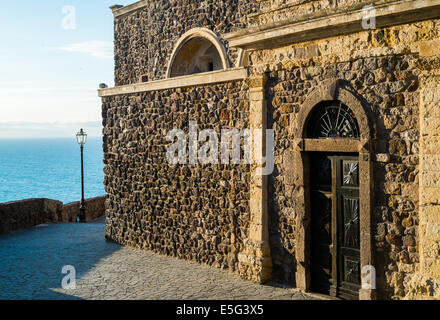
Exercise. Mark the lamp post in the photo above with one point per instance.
(81, 137)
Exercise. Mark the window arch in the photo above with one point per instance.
(332, 119)
(198, 50)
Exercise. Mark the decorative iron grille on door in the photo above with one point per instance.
(332, 119)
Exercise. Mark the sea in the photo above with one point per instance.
(50, 168)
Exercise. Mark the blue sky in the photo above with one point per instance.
(53, 55)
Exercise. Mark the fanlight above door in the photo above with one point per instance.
(332, 119)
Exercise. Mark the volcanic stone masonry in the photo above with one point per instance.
(198, 213)
(259, 227)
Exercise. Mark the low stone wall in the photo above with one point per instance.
(23, 214)
(95, 209)
(18, 215)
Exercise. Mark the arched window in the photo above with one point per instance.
(332, 119)
(199, 50)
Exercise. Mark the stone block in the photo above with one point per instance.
(429, 48)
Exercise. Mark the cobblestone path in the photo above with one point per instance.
(31, 263)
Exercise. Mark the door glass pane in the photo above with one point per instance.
(351, 223)
(350, 173)
(352, 271)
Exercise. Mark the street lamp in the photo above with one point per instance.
(81, 137)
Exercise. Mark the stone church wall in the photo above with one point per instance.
(202, 213)
(194, 212)
(381, 66)
(274, 11)
(146, 38)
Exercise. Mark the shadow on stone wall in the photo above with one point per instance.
(18, 215)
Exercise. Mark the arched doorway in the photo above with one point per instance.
(334, 189)
(198, 50)
(333, 164)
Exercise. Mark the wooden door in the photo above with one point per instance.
(335, 237)
(348, 227)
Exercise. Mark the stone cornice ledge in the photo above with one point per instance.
(119, 11)
(178, 82)
(318, 27)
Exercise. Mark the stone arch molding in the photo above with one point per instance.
(204, 33)
(334, 90)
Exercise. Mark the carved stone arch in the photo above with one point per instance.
(204, 34)
(334, 90)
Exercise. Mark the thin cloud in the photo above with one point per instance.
(99, 49)
(47, 90)
(56, 129)
(14, 83)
